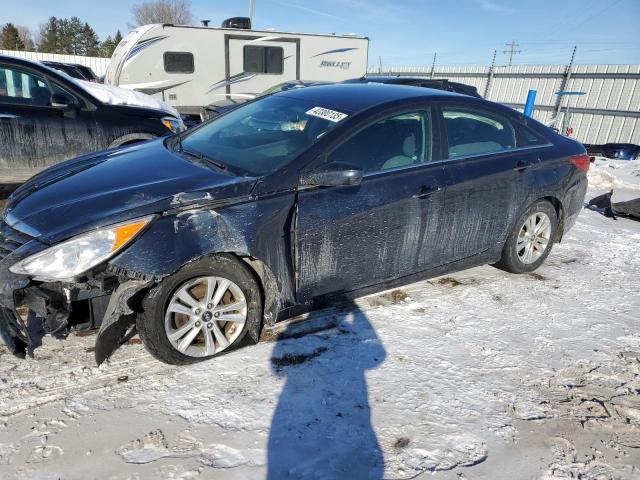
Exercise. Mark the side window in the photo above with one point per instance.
(263, 59)
(475, 132)
(21, 88)
(529, 138)
(178, 62)
(399, 141)
(62, 94)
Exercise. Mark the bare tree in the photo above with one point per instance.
(26, 35)
(177, 12)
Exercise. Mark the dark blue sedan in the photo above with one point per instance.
(277, 207)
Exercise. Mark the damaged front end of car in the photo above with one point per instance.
(52, 290)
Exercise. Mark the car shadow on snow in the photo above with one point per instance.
(321, 427)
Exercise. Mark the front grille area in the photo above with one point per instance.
(10, 239)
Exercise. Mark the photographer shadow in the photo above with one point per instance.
(321, 427)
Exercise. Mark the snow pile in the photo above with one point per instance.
(121, 96)
(607, 174)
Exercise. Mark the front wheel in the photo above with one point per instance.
(531, 240)
(200, 311)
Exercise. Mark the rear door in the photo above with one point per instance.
(254, 64)
(486, 178)
(35, 132)
(352, 237)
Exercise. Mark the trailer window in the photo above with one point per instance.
(178, 62)
(263, 59)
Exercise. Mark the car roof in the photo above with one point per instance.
(355, 97)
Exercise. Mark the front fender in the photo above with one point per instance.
(259, 230)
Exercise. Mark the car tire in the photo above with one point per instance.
(531, 239)
(165, 332)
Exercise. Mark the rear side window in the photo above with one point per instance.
(263, 59)
(476, 132)
(529, 138)
(178, 62)
(23, 88)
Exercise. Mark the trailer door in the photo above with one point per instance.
(254, 64)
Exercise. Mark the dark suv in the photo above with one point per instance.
(47, 117)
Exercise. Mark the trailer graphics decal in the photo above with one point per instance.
(337, 50)
(326, 114)
(142, 45)
(335, 64)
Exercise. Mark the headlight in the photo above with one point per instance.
(73, 257)
(176, 125)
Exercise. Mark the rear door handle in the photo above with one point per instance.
(521, 166)
(8, 115)
(427, 190)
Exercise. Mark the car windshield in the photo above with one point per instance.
(262, 136)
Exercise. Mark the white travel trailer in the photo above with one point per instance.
(191, 67)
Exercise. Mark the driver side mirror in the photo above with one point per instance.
(335, 174)
(61, 101)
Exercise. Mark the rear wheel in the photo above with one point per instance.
(201, 311)
(531, 240)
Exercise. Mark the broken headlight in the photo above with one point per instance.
(77, 255)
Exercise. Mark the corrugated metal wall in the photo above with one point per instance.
(608, 112)
(97, 64)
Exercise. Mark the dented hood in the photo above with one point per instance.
(116, 185)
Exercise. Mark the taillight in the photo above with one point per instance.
(582, 162)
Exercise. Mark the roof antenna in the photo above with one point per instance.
(205, 23)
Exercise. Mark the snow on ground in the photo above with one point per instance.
(479, 374)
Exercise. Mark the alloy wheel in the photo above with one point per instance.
(205, 315)
(533, 238)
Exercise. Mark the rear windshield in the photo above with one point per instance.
(263, 136)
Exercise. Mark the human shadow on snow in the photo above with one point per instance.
(321, 427)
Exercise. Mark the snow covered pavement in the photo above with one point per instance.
(479, 374)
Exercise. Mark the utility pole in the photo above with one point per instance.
(433, 65)
(512, 50)
(251, 12)
(487, 88)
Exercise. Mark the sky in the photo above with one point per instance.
(408, 32)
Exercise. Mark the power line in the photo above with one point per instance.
(512, 50)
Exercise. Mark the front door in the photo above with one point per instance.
(352, 237)
(33, 131)
(254, 64)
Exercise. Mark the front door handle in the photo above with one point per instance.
(8, 115)
(427, 190)
(521, 166)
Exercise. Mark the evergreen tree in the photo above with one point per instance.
(109, 45)
(10, 38)
(49, 36)
(88, 44)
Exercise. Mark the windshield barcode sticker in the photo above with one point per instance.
(327, 114)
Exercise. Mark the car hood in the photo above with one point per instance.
(110, 95)
(113, 186)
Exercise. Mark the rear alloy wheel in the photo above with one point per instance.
(202, 310)
(205, 316)
(531, 240)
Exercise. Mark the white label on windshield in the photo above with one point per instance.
(327, 114)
